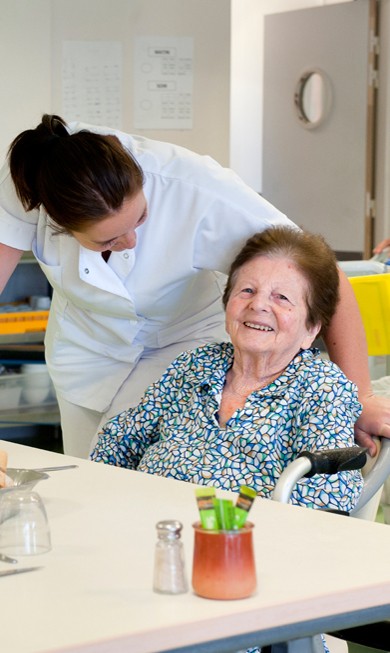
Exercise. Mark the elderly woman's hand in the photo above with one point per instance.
(374, 420)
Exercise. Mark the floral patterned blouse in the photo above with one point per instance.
(174, 430)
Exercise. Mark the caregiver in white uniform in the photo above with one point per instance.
(133, 236)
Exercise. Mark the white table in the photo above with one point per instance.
(316, 571)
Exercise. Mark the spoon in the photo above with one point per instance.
(53, 469)
(20, 570)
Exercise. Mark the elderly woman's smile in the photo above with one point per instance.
(260, 327)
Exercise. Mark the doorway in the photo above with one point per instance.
(320, 95)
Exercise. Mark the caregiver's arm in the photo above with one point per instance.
(347, 347)
(9, 258)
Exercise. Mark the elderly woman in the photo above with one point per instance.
(236, 413)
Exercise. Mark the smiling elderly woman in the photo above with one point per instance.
(236, 413)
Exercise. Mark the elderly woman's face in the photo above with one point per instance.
(266, 312)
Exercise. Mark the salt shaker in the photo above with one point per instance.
(169, 570)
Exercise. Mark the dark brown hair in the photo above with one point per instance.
(78, 178)
(312, 257)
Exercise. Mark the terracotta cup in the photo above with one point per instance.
(223, 564)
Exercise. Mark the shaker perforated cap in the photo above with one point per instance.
(169, 529)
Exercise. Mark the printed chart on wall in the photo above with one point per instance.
(92, 82)
(163, 83)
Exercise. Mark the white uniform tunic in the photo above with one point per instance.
(167, 290)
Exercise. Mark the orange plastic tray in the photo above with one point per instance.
(23, 322)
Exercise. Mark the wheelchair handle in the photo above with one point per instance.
(307, 463)
(333, 461)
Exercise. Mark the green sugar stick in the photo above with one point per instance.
(243, 505)
(205, 499)
(224, 509)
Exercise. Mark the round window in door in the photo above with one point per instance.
(312, 98)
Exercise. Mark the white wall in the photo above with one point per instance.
(25, 43)
(208, 23)
(228, 59)
(31, 36)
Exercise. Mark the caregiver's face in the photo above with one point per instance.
(117, 232)
(266, 312)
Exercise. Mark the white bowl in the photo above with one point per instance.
(36, 383)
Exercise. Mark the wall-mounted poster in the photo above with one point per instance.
(92, 82)
(163, 82)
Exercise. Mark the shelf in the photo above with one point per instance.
(31, 415)
(22, 338)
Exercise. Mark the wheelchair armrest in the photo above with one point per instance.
(333, 461)
(308, 463)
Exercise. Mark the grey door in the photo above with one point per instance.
(319, 168)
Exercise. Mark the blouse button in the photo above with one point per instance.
(86, 270)
(126, 255)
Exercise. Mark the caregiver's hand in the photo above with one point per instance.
(374, 420)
